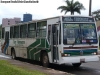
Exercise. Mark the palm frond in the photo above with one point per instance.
(68, 2)
(72, 2)
(66, 11)
(61, 7)
(77, 10)
(72, 7)
(82, 7)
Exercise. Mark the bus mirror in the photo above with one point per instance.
(53, 28)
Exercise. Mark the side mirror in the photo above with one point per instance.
(53, 28)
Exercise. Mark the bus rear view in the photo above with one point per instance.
(80, 40)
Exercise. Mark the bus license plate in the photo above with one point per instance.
(82, 60)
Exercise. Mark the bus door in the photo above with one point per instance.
(53, 40)
(6, 41)
(7, 36)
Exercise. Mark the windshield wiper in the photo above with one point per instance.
(73, 43)
(76, 39)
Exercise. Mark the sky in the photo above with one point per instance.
(41, 10)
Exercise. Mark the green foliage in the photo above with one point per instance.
(72, 7)
(97, 15)
(99, 40)
(0, 30)
(8, 69)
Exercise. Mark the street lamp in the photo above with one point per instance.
(90, 3)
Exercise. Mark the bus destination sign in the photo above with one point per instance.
(77, 19)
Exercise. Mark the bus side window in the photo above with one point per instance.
(16, 32)
(49, 33)
(23, 31)
(56, 35)
(11, 32)
(60, 34)
(3, 32)
(41, 29)
(32, 30)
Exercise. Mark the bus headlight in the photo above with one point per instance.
(94, 53)
(65, 55)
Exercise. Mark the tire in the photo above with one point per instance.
(45, 60)
(76, 64)
(13, 55)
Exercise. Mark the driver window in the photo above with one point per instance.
(56, 35)
(49, 33)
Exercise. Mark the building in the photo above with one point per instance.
(27, 17)
(10, 21)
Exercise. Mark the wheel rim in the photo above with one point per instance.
(45, 59)
(13, 55)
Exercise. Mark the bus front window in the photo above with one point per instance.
(79, 33)
(88, 31)
(71, 32)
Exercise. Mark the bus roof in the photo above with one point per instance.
(48, 19)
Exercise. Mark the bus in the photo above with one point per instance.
(57, 40)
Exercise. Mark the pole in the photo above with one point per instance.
(90, 3)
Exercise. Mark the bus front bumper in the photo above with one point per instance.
(79, 59)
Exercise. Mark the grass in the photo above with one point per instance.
(7, 69)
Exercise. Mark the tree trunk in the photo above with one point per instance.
(72, 13)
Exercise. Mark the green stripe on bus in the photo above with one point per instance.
(34, 49)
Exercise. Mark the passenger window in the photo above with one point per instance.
(16, 32)
(11, 32)
(23, 31)
(32, 30)
(41, 29)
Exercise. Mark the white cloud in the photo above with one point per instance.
(43, 9)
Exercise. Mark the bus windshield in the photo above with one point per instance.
(88, 31)
(78, 33)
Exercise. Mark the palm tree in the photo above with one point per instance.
(72, 7)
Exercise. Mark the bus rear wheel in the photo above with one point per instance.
(76, 64)
(45, 59)
(13, 55)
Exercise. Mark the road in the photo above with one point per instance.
(91, 68)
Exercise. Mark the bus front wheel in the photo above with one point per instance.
(45, 59)
(76, 64)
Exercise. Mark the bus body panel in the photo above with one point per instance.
(79, 59)
(30, 48)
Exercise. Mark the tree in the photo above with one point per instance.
(96, 15)
(72, 7)
(0, 30)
